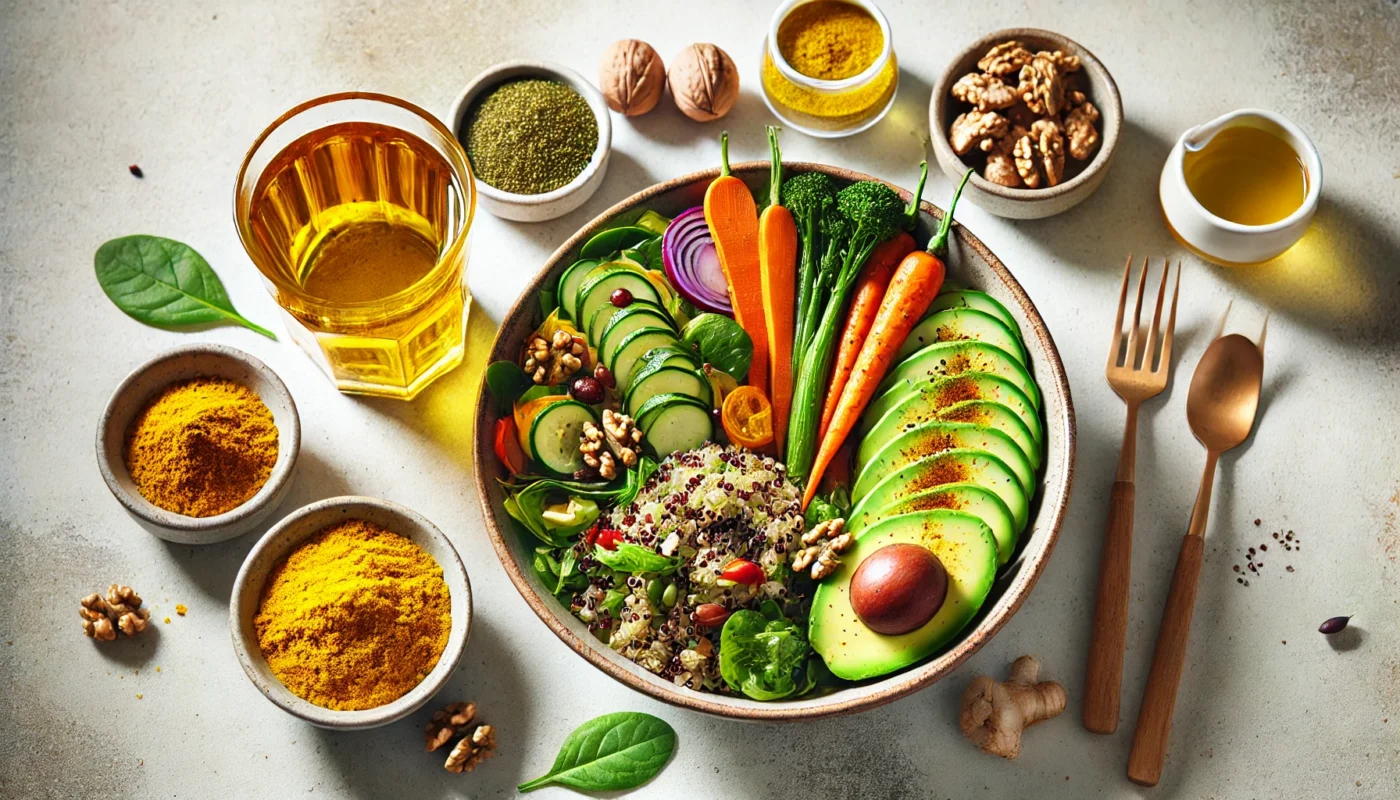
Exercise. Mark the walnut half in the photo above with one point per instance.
(976, 129)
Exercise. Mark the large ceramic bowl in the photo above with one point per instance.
(970, 264)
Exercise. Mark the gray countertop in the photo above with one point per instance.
(1268, 707)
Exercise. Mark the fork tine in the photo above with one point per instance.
(1154, 334)
(1166, 362)
(1118, 322)
(1136, 333)
(1220, 329)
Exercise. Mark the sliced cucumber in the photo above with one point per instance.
(968, 298)
(569, 284)
(599, 285)
(614, 240)
(629, 353)
(648, 383)
(598, 323)
(623, 324)
(957, 324)
(554, 436)
(673, 422)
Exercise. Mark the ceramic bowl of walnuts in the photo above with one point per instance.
(1034, 114)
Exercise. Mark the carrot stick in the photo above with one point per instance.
(915, 283)
(733, 219)
(870, 290)
(777, 269)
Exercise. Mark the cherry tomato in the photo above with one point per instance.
(742, 570)
(710, 615)
(508, 446)
(747, 417)
(608, 539)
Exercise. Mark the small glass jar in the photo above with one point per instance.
(829, 109)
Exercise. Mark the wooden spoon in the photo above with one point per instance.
(1220, 408)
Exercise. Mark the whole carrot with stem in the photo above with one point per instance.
(733, 219)
(870, 290)
(912, 288)
(777, 270)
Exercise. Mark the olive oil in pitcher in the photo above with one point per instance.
(1248, 176)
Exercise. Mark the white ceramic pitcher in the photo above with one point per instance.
(1220, 240)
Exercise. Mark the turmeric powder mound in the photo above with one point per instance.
(354, 618)
(202, 447)
(830, 40)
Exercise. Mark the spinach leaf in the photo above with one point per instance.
(507, 382)
(616, 751)
(614, 240)
(763, 658)
(568, 573)
(634, 558)
(164, 282)
(526, 502)
(722, 343)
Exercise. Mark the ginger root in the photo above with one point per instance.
(995, 713)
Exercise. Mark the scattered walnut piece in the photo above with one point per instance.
(446, 723)
(974, 127)
(551, 362)
(821, 545)
(472, 750)
(1079, 129)
(596, 456)
(986, 92)
(1005, 59)
(624, 439)
(119, 610)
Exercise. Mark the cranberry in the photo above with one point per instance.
(621, 298)
(604, 376)
(587, 390)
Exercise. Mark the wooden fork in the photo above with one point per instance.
(1134, 381)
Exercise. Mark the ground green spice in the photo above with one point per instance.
(530, 136)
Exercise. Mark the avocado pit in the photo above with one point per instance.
(898, 588)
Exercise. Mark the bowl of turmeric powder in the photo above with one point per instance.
(199, 444)
(351, 612)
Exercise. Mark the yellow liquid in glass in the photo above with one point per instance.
(1248, 176)
(355, 222)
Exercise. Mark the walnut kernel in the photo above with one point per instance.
(975, 127)
(986, 92)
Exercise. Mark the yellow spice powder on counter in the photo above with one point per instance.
(180, 609)
(354, 618)
(202, 447)
(830, 40)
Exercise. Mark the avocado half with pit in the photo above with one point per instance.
(852, 649)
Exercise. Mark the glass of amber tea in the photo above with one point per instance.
(356, 209)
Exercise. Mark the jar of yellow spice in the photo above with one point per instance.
(829, 68)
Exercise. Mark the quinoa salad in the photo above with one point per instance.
(704, 510)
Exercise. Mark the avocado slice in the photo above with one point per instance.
(978, 501)
(968, 552)
(923, 402)
(958, 324)
(878, 457)
(955, 358)
(995, 415)
(951, 466)
(969, 298)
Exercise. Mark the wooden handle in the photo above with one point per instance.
(1104, 678)
(1154, 725)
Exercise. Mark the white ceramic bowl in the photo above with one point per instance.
(301, 525)
(538, 207)
(1048, 200)
(180, 364)
(1230, 243)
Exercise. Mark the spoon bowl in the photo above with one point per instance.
(1224, 392)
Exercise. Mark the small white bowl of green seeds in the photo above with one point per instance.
(537, 136)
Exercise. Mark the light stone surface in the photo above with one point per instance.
(183, 88)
